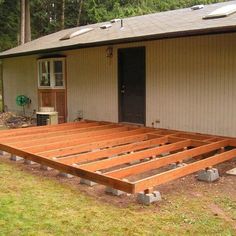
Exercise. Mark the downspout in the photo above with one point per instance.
(1, 83)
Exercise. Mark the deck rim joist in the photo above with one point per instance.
(111, 153)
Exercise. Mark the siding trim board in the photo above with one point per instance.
(190, 83)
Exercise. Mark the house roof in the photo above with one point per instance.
(176, 23)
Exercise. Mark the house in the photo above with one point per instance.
(174, 70)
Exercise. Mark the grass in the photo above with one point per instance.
(35, 205)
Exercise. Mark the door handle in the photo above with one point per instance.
(122, 89)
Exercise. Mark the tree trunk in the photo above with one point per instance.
(80, 11)
(62, 14)
(27, 22)
(22, 23)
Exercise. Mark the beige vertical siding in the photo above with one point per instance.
(20, 78)
(191, 83)
(191, 86)
(92, 85)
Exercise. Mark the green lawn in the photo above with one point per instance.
(31, 204)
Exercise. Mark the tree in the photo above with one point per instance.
(62, 14)
(81, 2)
(48, 16)
(9, 23)
(25, 29)
(27, 21)
(22, 22)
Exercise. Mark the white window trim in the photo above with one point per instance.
(52, 74)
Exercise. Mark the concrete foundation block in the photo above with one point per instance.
(181, 165)
(29, 162)
(65, 175)
(232, 172)
(165, 154)
(87, 182)
(47, 168)
(16, 158)
(172, 166)
(3, 153)
(149, 198)
(114, 192)
(135, 162)
(176, 165)
(209, 175)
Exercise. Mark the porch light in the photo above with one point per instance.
(109, 52)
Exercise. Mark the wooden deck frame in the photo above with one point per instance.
(107, 153)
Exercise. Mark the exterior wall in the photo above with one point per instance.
(92, 85)
(20, 78)
(191, 83)
(191, 86)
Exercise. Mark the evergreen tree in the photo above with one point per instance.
(48, 16)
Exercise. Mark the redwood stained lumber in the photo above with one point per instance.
(183, 171)
(113, 151)
(86, 132)
(93, 176)
(60, 152)
(45, 129)
(177, 157)
(103, 164)
(73, 140)
(83, 148)
(41, 134)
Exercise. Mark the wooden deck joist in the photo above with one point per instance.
(118, 155)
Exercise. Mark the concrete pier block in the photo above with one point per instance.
(16, 158)
(181, 165)
(176, 165)
(87, 182)
(149, 198)
(135, 162)
(3, 153)
(47, 168)
(209, 175)
(29, 162)
(172, 166)
(165, 154)
(114, 192)
(65, 175)
(232, 172)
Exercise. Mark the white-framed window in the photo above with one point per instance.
(51, 73)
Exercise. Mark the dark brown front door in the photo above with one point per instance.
(54, 98)
(132, 80)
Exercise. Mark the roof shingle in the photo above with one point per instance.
(153, 26)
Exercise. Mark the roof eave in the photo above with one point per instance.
(198, 32)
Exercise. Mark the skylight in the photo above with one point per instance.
(222, 12)
(106, 26)
(76, 33)
(197, 7)
(115, 20)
